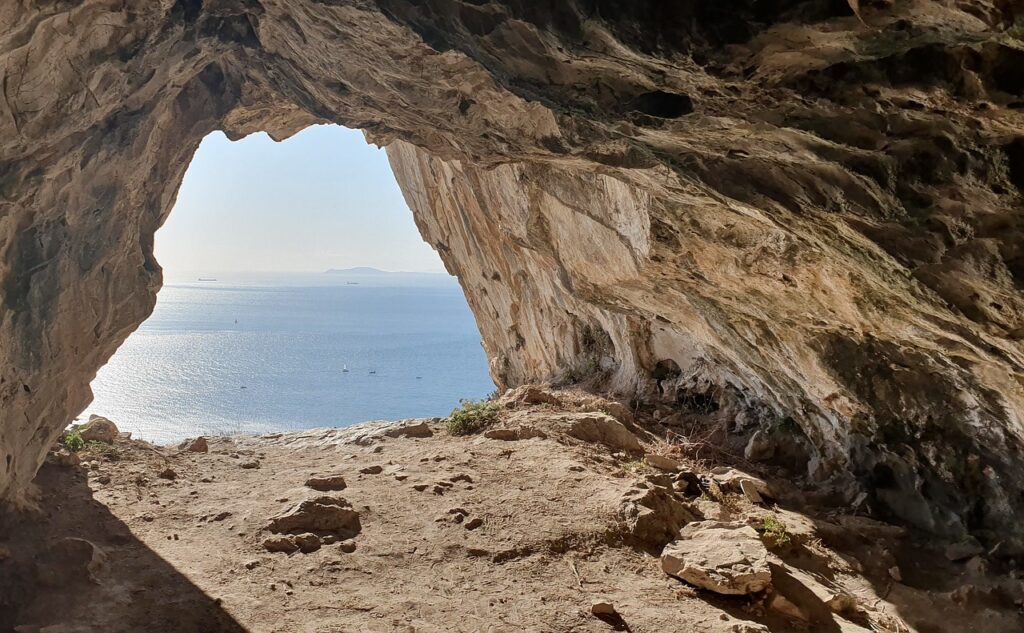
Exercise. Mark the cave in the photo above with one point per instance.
(618, 189)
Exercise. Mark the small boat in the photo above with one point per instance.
(373, 371)
(207, 279)
(344, 368)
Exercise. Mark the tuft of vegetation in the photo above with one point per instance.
(73, 441)
(774, 531)
(472, 417)
(1016, 30)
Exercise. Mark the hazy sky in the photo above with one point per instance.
(321, 199)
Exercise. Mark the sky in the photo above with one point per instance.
(322, 199)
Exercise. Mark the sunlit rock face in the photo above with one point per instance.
(807, 219)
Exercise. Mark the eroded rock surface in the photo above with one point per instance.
(806, 220)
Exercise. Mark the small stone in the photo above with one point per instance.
(285, 544)
(252, 564)
(168, 473)
(749, 490)
(461, 477)
(99, 429)
(783, 605)
(894, 573)
(221, 516)
(420, 487)
(401, 477)
(307, 542)
(347, 546)
(103, 479)
(473, 524)
(249, 465)
(326, 483)
(372, 470)
(603, 608)
(198, 445)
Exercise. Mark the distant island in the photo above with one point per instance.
(367, 270)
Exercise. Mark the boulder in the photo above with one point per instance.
(331, 515)
(198, 445)
(600, 428)
(726, 558)
(326, 483)
(527, 395)
(411, 428)
(732, 479)
(70, 561)
(99, 429)
(654, 517)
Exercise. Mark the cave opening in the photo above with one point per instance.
(297, 293)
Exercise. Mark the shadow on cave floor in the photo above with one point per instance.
(80, 567)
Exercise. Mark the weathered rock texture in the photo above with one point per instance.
(808, 219)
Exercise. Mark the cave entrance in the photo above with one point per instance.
(276, 313)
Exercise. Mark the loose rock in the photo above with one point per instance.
(322, 514)
(326, 483)
(198, 445)
(727, 558)
(99, 429)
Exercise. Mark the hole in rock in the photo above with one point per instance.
(664, 105)
(276, 313)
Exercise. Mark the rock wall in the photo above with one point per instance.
(810, 218)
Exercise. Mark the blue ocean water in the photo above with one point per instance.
(253, 355)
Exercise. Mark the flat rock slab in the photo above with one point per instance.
(727, 558)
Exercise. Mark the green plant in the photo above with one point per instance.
(1017, 29)
(774, 531)
(73, 441)
(471, 417)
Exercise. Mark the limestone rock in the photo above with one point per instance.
(99, 429)
(526, 395)
(600, 428)
(281, 544)
(696, 207)
(663, 463)
(654, 517)
(69, 561)
(198, 445)
(326, 483)
(726, 558)
(410, 428)
(307, 542)
(322, 514)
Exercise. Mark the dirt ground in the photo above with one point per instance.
(523, 528)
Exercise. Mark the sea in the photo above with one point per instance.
(248, 354)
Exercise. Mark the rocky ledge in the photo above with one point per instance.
(559, 513)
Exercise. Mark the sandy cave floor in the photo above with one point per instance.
(457, 534)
